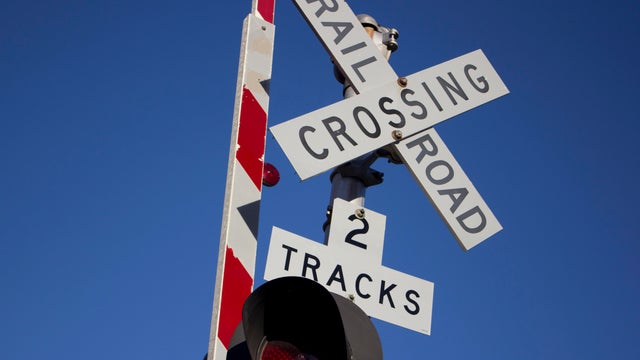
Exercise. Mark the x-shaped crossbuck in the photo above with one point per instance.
(394, 111)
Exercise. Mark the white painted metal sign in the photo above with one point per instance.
(328, 137)
(356, 231)
(449, 189)
(341, 33)
(351, 265)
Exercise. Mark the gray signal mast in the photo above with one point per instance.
(350, 180)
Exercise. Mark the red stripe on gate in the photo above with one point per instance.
(251, 137)
(267, 9)
(236, 287)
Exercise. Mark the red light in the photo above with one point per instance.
(270, 175)
(280, 350)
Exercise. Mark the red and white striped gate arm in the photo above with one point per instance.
(238, 238)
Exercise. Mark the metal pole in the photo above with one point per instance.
(350, 181)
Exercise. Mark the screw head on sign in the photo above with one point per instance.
(359, 213)
(396, 134)
(403, 81)
(270, 175)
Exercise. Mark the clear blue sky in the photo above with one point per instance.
(114, 131)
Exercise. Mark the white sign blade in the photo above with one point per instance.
(344, 38)
(451, 192)
(325, 138)
(383, 293)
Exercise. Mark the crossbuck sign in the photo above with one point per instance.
(397, 111)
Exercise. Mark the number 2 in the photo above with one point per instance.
(364, 230)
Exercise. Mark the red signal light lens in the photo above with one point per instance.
(280, 350)
(270, 175)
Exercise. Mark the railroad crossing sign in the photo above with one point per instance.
(388, 110)
(351, 265)
(333, 135)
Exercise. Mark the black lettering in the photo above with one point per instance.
(308, 265)
(385, 100)
(288, 260)
(386, 291)
(407, 296)
(423, 110)
(340, 131)
(353, 48)
(338, 276)
(356, 67)
(423, 149)
(360, 293)
(376, 126)
(483, 220)
(446, 178)
(333, 7)
(480, 79)
(433, 98)
(352, 233)
(457, 197)
(341, 29)
(305, 144)
(456, 89)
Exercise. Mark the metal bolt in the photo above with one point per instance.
(396, 134)
(264, 28)
(352, 297)
(403, 81)
(360, 213)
